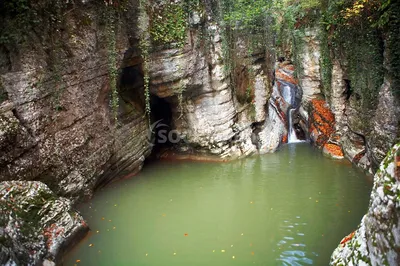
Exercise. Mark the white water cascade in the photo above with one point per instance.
(292, 137)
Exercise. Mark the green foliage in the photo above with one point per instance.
(246, 14)
(168, 24)
(326, 63)
(144, 46)
(3, 93)
(352, 35)
(389, 21)
(24, 20)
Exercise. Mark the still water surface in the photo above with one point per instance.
(288, 208)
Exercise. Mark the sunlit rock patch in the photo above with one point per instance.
(377, 239)
(35, 225)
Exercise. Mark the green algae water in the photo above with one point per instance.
(288, 208)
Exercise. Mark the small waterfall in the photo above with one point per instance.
(292, 137)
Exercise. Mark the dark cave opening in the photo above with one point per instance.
(301, 135)
(162, 136)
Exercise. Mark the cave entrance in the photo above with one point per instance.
(163, 136)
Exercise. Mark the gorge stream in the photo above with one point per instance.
(288, 208)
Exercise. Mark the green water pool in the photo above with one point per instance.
(288, 208)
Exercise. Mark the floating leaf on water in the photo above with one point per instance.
(316, 201)
(77, 261)
(146, 254)
(115, 205)
(185, 234)
(213, 250)
(222, 250)
(252, 253)
(233, 257)
(102, 218)
(114, 228)
(109, 220)
(174, 253)
(97, 231)
(231, 246)
(91, 245)
(251, 202)
(241, 234)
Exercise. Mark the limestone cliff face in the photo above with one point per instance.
(57, 126)
(340, 126)
(362, 135)
(61, 129)
(377, 239)
(209, 116)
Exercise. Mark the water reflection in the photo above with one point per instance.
(293, 249)
(287, 208)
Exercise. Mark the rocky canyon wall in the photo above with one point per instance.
(377, 239)
(73, 111)
(352, 108)
(361, 134)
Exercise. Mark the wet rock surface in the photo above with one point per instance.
(377, 240)
(35, 224)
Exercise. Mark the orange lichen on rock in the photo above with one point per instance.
(334, 150)
(289, 67)
(279, 74)
(347, 238)
(322, 122)
(284, 138)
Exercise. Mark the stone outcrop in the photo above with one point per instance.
(35, 224)
(207, 112)
(362, 136)
(309, 57)
(283, 106)
(57, 125)
(377, 239)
